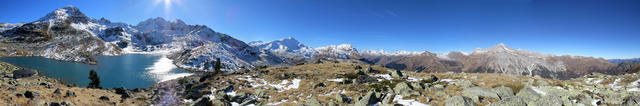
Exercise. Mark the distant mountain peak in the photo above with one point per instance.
(160, 23)
(285, 44)
(500, 48)
(68, 12)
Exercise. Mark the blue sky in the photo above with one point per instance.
(602, 28)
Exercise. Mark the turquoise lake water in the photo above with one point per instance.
(129, 71)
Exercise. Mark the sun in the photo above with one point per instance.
(167, 5)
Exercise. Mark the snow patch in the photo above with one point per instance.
(399, 100)
(538, 91)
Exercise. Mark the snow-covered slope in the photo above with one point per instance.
(61, 34)
(289, 49)
(342, 51)
(7, 26)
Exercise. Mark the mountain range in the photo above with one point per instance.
(67, 34)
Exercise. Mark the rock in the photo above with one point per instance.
(239, 97)
(70, 94)
(612, 97)
(54, 104)
(341, 98)
(260, 93)
(247, 102)
(542, 83)
(319, 85)
(105, 98)
(510, 101)
(529, 95)
(441, 93)
(430, 79)
(37, 102)
(459, 101)
(358, 67)
(365, 79)
(632, 101)
(388, 99)
(403, 89)
(503, 92)
(31, 94)
(397, 74)
(417, 85)
(123, 92)
(68, 103)
(477, 93)
(312, 102)
(57, 91)
(204, 101)
(331, 103)
(465, 84)
(367, 100)
(360, 72)
(439, 86)
(221, 102)
(369, 70)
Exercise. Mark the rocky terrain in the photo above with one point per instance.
(334, 84)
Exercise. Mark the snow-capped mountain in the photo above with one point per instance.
(340, 52)
(288, 49)
(67, 34)
(234, 57)
(57, 36)
(7, 26)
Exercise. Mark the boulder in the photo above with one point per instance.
(503, 92)
(70, 94)
(360, 72)
(465, 83)
(105, 98)
(403, 89)
(528, 94)
(239, 97)
(341, 98)
(459, 101)
(220, 102)
(68, 103)
(388, 99)
(31, 94)
(57, 91)
(430, 79)
(312, 102)
(368, 99)
(319, 85)
(369, 70)
(476, 93)
(417, 85)
(631, 101)
(365, 79)
(122, 92)
(510, 101)
(397, 74)
(204, 101)
(248, 102)
(331, 103)
(260, 93)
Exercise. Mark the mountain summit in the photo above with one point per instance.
(66, 13)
